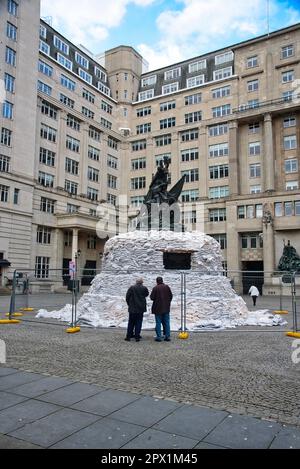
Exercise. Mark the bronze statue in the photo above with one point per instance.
(290, 259)
(158, 200)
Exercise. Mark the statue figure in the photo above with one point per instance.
(158, 188)
(159, 197)
(290, 259)
(267, 218)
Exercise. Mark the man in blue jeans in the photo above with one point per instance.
(136, 300)
(161, 296)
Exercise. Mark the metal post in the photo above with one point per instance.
(12, 306)
(181, 304)
(295, 288)
(184, 302)
(294, 305)
(75, 294)
(280, 295)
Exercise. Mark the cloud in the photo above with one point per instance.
(186, 29)
(90, 21)
(200, 26)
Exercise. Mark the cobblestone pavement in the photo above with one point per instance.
(247, 371)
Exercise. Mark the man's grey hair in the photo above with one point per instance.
(139, 281)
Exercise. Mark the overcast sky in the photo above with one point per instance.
(167, 31)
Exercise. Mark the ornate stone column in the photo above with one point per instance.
(234, 182)
(74, 243)
(269, 163)
(268, 239)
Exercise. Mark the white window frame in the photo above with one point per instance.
(170, 88)
(223, 72)
(148, 81)
(147, 94)
(81, 60)
(87, 77)
(197, 66)
(192, 82)
(64, 61)
(224, 57)
(61, 45)
(171, 74)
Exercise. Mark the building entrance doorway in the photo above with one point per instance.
(253, 274)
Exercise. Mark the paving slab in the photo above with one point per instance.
(106, 402)
(146, 411)
(8, 442)
(154, 439)
(191, 421)
(240, 431)
(53, 428)
(8, 400)
(17, 379)
(23, 413)
(7, 371)
(42, 386)
(204, 445)
(106, 433)
(287, 438)
(71, 394)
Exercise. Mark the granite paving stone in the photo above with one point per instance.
(106, 433)
(70, 394)
(243, 432)
(25, 412)
(7, 371)
(106, 402)
(8, 442)
(287, 438)
(191, 421)
(7, 399)
(146, 411)
(42, 386)
(154, 439)
(16, 379)
(53, 428)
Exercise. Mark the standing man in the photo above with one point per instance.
(254, 293)
(136, 300)
(161, 296)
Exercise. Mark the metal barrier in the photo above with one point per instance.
(274, 287)
(295, 283)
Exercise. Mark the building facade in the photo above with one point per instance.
(76, 132)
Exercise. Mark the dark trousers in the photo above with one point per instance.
(254, 298)
(134, 325)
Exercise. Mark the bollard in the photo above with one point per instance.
(12, 307)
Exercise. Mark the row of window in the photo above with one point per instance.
(5, 194)
(217, 150)
(73, 144)
(191, 83)
(47, 180)
(43, 88)
(253, 61)
(252, 85)
(193, 68)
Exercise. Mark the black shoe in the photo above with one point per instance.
(127, 339)
(167, 339)
(137, 340)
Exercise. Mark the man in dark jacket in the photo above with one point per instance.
(136, 300)
(161, 296)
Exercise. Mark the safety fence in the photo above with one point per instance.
(295, 279)
(278, 292)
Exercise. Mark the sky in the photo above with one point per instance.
(167, 31)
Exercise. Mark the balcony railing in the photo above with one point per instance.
(259, 105)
